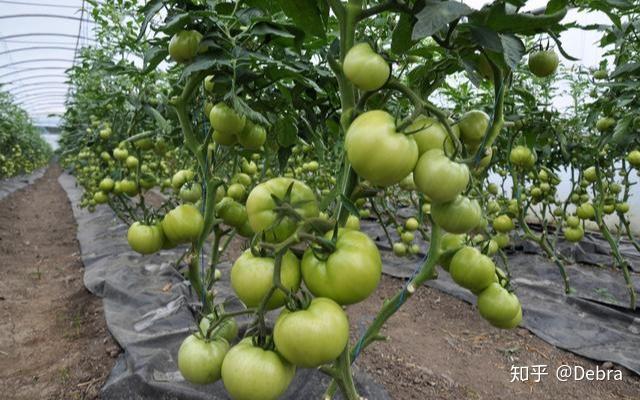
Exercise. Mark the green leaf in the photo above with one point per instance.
(283, 157)
(176, 23)
(513, 50)
(149, 10)
(436, 16)
(500, 19)
(286, 131)
(204, 62)
(348, 204)
(486, 38)
(555, 6)
(628, 68)
(153, 57)
(243, 108)
(401, 37)
(309, 15)
(161, 121)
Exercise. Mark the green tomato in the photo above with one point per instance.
(312, 337)
(232, 213)
(440, 178)
(228, 329)
(573, 221)
(120, 154)
(407, 183)
(573, 235)
(353, 222)
(145, 239)
(377, 152)
(634, 158)
(622, 208)
(522, 156)
(605, 124)
(498, 306)
(200, 361)
(252, 278)
(586, 211)
(249, 168)
(430, 134)
(493, 189)
(106, 185)
(411, 224)
(237, 191)
(348, 275)
(400, 249)
(183, 46)
(502, 239)
(100, 197)
(449, 245)
(252, 137)
(181, 177)
(407, 237)
(600, 74)
(543, 63)
(261, 207)
(242, 179)
(472, 270)
(503, 224)
(129, 187)
(224, 139)
(191, 193)
(226, 120)
(459, 216)
(183, 224)
(590, 174)
(365, 68)
(473, 125)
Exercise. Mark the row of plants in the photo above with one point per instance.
(22, 148)
(282, 124)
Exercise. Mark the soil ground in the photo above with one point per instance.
(54, 343)
(53, 338)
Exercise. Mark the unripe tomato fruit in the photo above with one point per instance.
(191, 193)
(200, 361)
(100, 197)
(252, 137)
(252, 278)
(312, 337)
(458, 216)
(573, 221)
(430, 134)
(502, 239)
(449, 243)
(498, 306)
(573, 234)
(226, 120)
(106, 185)
(232, 213)
(261, 207)
(543, 63)
(183, 224)
(400, 249)
(224, 139)
(590, 174)
(249, 371)
(377, 152)
(440, 178)
(348, 275)
(605, 124)
(473, 125)
(521, 156)
(503, 224)
(634, 158)
(145, 239)
(622, 207)
(184, 45)
(407, 237)
(472, 270)
(353, 222)
(236, 191)
(365, 68)
(586, 211)
(120, 154)
(411, 224)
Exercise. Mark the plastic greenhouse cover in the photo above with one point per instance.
(10, 185)
(147, 310)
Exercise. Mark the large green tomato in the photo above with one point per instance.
(183, 224)
(262, 213)
(348, 275)
(586, 211)
(252, 373)
(145, 239)
(191, 193)
(252, 137)
(184, 45)
(440, 178)
(200, 361)
(377, 152)
(573, 235)
(100, 197)
(634, 158)
(312, 337)
(224, 139)
(252, 278)
(503, 223)
(605, 124)
(499, 307)
(129, 187)
(472, 270)
(450, 243)
(521, 156)
(458, 216)
(365, 68)
(473, 125)
(590, 174)
(106, 185)
(226, 120)
(430, 134)
(543, 63)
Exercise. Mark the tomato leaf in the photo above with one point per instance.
(629, 68)
(513, 49)
(153, 57)
(401, 37)
(287, 131)
(436, 16)
(309, 15)
(150, 10)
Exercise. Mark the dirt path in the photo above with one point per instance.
(53, 339)
(440, 348)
